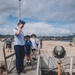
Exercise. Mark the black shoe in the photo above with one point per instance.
(34, 58)
(29, 62)
(23, 71)
(18, 72)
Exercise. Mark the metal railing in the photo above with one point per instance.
(38, 70)
(68, 61)
(8, 70)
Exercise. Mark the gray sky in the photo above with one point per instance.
(43, 17)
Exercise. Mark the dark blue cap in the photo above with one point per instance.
(21, 21)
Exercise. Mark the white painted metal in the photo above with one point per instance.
(71, 66)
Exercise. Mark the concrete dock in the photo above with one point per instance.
(47, 49)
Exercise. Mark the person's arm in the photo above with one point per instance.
(18, 31)
(30, 44)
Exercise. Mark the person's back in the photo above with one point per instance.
(28, 45)
(8, 41)
(8, 44)
(33, 40)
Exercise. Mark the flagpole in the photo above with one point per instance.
(19, 10)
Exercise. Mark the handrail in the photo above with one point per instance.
(7, 57)
(38, 66)
(10, 56)
(38, 61)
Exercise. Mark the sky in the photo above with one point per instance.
(42, 17)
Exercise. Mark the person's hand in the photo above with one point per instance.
(21, 25)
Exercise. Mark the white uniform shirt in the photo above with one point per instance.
(37, 41)
(18, 39)
(33, 40)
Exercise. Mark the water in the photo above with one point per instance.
(64, 40)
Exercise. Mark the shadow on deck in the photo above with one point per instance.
(30, 70)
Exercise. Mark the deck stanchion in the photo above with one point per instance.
(71, 66)
(59, 68)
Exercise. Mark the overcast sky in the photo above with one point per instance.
(43, 17)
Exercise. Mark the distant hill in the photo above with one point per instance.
(5, 36)
(70, 37)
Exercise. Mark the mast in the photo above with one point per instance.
(19, 17)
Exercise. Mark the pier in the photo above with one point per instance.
(45, 61)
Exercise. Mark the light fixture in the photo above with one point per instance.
(59, 52)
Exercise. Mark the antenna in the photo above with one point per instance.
(71, 30)
(73, 35)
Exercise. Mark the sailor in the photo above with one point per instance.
(19, 47)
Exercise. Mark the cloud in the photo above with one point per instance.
(63, 10)
(38, 28)
(7, 8)
(42, 28)
(43, 10)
